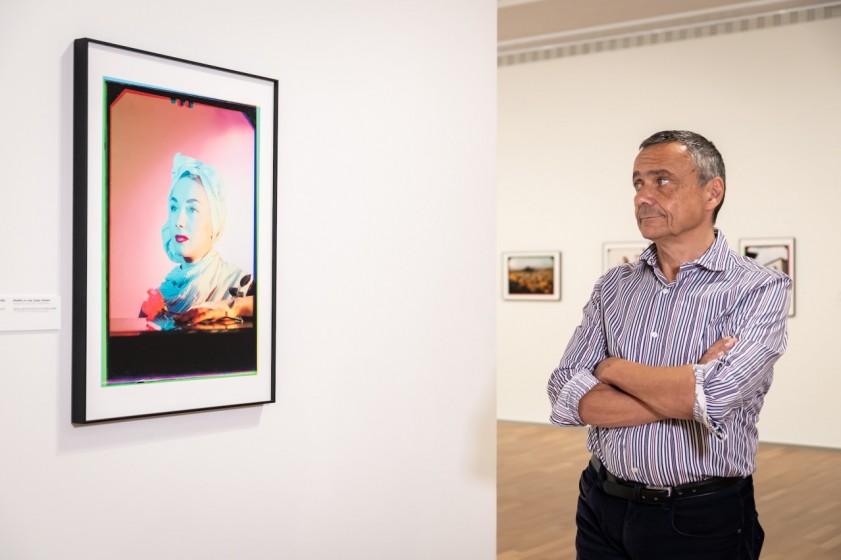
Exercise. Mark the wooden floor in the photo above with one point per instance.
(798, 494)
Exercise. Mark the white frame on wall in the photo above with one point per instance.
(538, 264)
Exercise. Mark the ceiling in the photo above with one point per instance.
(527, 25)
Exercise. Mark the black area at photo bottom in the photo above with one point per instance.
(170, 355)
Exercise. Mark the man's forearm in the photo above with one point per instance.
(607, 407)
(668, 391)
(632, 394)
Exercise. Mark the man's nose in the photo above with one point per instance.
(644, 194)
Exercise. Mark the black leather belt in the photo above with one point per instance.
(645, 494)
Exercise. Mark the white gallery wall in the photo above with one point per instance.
(382, 442)
(568, 134)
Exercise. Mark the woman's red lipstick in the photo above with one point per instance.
(181, 238)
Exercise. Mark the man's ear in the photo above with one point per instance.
(714, 192)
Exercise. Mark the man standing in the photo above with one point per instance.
(670, 367)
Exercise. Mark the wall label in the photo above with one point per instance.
(30, 313)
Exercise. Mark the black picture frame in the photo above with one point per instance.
(159, 141)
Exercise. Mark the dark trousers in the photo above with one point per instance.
(719, 526)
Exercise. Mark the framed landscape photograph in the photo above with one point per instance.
(531, 275)
(174, 220)
(623, 252)
(774, 252)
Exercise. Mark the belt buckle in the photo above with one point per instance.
(667, 489)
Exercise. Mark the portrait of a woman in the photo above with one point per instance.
(201, 287)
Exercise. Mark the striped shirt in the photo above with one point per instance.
(634, 313)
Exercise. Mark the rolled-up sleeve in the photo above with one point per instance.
(573, 377)
(740, 379)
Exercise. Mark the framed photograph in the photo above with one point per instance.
(775, 252)
(174, 220)
(531, 275)
(622, 252)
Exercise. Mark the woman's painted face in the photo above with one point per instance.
(189, 220)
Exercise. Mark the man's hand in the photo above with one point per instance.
(718, 349)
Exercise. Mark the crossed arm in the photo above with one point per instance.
(631, 394)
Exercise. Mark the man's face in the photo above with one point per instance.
(670, 205)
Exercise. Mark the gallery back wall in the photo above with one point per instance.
(568, 132)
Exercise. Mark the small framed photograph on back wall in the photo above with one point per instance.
(773, 252)
(531, 275)
(622, 252)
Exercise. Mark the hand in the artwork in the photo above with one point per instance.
(218, 310)
(206, 312)
(721, 347)
(153, 305)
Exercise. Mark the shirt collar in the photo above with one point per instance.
(714, 259)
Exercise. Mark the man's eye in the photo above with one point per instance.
(662, 181)
(637, 185)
